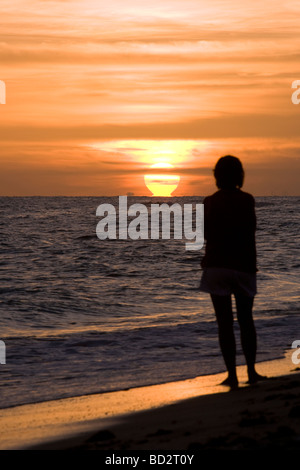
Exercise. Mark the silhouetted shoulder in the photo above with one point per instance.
(247, 196)
(223, 198)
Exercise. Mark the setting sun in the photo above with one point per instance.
(162, 184)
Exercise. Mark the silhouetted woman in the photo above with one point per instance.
(229, 263)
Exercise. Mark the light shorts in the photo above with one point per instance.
(225, 281)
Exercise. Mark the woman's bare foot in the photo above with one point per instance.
(254, 377)
(231, 382)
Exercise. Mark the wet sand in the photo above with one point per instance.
(186, 415)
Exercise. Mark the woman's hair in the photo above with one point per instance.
(229, 173)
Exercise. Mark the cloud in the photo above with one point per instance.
(225, 126)
(79, 72)
(34, 169)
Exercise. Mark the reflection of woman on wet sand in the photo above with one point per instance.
(229, 263)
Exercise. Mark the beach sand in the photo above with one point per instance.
(194, 414)
(264, 417)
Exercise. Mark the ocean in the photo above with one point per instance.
(81, 315)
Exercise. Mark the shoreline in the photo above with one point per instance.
(70, 421)
(134, 387)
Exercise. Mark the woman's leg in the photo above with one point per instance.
(223, 309)
(244, 305)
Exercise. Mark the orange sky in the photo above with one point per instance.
(99, 91)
